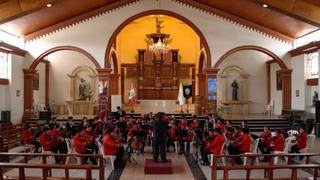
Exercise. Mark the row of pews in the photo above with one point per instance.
(269, 167)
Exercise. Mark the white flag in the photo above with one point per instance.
(181, 98)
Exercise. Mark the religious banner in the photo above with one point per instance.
(187, 91)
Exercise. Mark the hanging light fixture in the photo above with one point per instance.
(158, 42)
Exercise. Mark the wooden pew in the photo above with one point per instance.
(46, 168)
(268, 169)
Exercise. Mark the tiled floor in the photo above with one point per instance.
(134, 171)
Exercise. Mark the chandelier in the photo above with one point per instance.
(158, 42)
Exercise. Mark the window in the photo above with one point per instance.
(3, 65)
(313, 65)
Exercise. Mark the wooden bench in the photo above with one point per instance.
(268, 169)
(46, 168)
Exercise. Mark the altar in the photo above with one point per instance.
(228, 106)
(157, 105)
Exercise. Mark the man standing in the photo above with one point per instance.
(160, 128)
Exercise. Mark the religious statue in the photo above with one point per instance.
(235, 87)
(315, 98)
(85, 91)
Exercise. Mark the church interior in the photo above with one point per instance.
(153, 89)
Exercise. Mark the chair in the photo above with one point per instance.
(176, 146)
(310, 142)
(287, 147)
(71, 150)
(101, 151)
(221, 153)
(254, 151)
(270, 107)
(29, 148)
(47, 152)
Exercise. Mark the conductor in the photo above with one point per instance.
(160, 128)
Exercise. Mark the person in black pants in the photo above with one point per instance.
(160, 134)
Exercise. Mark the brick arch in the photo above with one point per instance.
(285, 72)
(61, 48)
(251, 47)
(115, 61)
(157, 11)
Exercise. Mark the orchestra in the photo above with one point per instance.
(114, 133)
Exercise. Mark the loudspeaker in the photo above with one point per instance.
(44, 115)
(317, 111)
(5, 116)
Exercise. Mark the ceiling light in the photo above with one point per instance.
(265, 5)
(49, 5)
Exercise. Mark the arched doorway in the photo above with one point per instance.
(31, 72)
(113, 45)
(285, 73)
(112, 39)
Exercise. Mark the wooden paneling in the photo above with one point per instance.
(274, 19)
(283, 19)
(4, 81)
(313, 82)
(158, 80)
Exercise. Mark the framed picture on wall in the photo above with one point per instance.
(36, 82)
(278, 81)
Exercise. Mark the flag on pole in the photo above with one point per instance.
(132, 96)
(181, 98)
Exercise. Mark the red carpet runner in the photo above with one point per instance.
(151, 167)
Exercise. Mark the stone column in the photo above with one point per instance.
(28, 92)
(286, 88)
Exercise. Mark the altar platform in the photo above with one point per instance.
(256, 122)
(155, 106)
(248, 117)
(151, 167)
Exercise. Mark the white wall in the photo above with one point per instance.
(16, 77)
(253, 63)
(4, 98)
(220, 34)
(298, 82)
(276, 95)
(63, 63)
(39, 95)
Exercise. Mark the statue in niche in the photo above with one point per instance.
(235, 88)
(315, 98)
(85, 91)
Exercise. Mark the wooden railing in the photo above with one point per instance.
(46, 168)
(268, 168)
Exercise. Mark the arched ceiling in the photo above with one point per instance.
(287, 18)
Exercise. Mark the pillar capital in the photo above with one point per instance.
(285, 73)
(211, 71)
(29, 72)
(104, 73)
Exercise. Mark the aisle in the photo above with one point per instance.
(134, 171)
